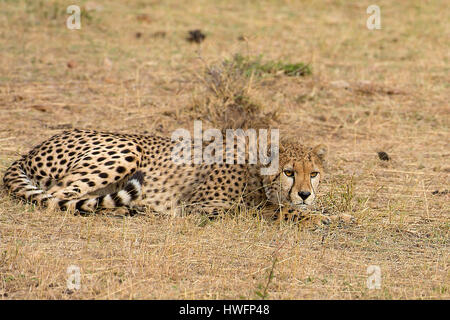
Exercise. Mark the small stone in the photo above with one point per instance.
(71, 64)
(196, 36)
(383, 156)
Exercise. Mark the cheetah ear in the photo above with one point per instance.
(321, 151)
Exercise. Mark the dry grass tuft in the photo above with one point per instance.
(227, 99)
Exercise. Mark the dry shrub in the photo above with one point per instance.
(228, 99)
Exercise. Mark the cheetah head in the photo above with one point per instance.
(297, 180)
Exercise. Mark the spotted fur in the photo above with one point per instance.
(85, 170)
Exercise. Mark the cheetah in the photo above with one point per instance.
(86, 171)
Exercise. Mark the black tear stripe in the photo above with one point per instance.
(293, 184)
(312, 185)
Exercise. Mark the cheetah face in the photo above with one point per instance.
(297, 181)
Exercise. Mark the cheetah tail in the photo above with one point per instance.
(22, 187)
(121, 198)
(17, 182)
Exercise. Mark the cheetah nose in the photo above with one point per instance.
(304, 194)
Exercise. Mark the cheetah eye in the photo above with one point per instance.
(314, 174)
(289, 173)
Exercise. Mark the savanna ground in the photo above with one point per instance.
(130, 69)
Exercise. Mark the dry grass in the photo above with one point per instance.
(131, 69)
